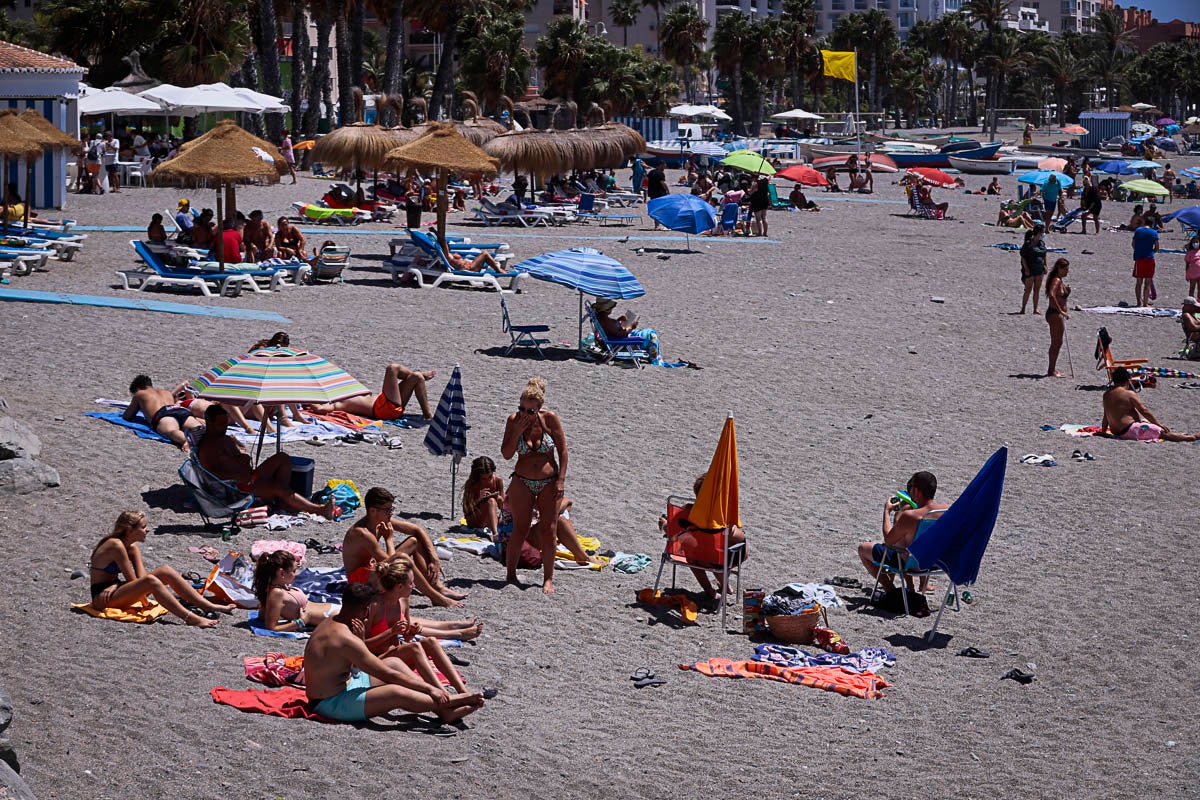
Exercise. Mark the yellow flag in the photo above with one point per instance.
(840, 64)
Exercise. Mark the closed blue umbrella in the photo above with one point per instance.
(447, 435)
(686, 213)
(1189, 216)
(586, 270)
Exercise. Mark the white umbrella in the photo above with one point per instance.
(193, 100)
(268, 103)
(96, 102)
(700, 111)
(795, 114)
(1141, 106)
(707, 149)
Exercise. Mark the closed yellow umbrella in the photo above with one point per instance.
(716, 507)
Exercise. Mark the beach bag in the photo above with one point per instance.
(344, 493)
(893, 603)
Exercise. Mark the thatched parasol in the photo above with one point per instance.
(357, 146)
(532, 151)
(446, 150)
(228, 155)
(19, 139)
(62, 139)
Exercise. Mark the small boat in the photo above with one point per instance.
(941, 160)
(934, 141)
(813, 151)
(1051, 150)
(839, 163)
(982, 166)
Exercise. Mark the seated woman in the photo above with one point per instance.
(1152, 219)
(798, 200)
(1136, 220)
(1014, 218)
(459, 203)
(736, 536)
(926, 199)
(622, 328)
(993, 188)
(202, 230)
(289, 241)
(119, 578)
(395, 578)
(281, 606)
(155, 232)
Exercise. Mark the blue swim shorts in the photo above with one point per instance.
(350, 705)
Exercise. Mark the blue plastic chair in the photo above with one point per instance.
(522, 335)
(729, 217)
(623, 349)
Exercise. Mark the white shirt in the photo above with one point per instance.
(109, 151)
(140, 146)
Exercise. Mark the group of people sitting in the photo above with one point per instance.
(241, 238)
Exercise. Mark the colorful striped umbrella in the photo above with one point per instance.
(277, 375)
(1143, 186)
(447, 435)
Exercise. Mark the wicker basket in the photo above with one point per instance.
(797, 628)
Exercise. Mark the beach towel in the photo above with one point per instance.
(815, 592)
(257, 629)
(869, 659)
(1134, 311)
(275, 669)
(689, 612)
(288, 702)
(320, 429)
(866, 685)
(1015, 246)
(138, 426)
(142, 612)
(264, 546)
(322, 584)
(468, 544)
(346, 420)
(252, 517)
(1081, 431)
(630, 563)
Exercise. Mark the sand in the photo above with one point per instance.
(844, 378)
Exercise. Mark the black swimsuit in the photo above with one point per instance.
(111, 569)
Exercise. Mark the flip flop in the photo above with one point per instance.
(642, 684)
(458, 660)
(490, 692)
(1077, 455)
(974, 652)
(845, 583)
(641, 674)
(1024, 678)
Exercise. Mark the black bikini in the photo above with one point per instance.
(111, 569)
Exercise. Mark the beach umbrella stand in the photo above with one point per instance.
(447, 434)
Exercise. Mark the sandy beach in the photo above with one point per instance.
(844, 378)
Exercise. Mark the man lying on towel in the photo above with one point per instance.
(161, 411)
(399, 385)
(1126, 417)
(347, 682)
(373, 540)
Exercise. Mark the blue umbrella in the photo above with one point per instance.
(955, 543)
(586, 270)
(1041, 177)
(1115, 167)
(1189, 216)
(1138, 166)
(683, 212)
(447, 435)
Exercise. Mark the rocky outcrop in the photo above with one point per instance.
(11, 784)
(20, 470)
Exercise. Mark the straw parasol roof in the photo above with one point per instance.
(531, 151)
(402, 135)
(62, 139)
(226, 154)
(355, 146)
(443, 147)
(19, 139)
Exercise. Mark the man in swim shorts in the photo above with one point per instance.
(900, 523)
(1126, 417)
(345, 681)
(1145, 245)
(399, 385)
(372, 540)
(163, 414)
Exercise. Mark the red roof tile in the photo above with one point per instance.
(16, 59)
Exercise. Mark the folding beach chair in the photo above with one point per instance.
(1064, 222)
(215, 498)
(729, 217)
(773, 193)
(622, 349)
(331, 262)
(1106, 362)
(904, 565)
(705, 550)
(522, 335)
(919, 209)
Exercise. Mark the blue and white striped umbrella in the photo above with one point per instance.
(703, 148)
(447, 435)
(586, 270)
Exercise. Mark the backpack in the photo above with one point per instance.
(93, 153)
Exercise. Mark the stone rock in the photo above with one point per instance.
(13, 786)
(6, 710)
(24, 475)
(17, 439)
(8, 755)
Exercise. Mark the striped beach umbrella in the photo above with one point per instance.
(447, 435)
(586, 270)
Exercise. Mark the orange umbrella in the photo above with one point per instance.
(1056, 164)
(802, 173)
(716, 507)
(307, 144)
(1076, 130)
(934, 177)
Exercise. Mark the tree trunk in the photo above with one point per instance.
(954, 93)
(320, 89)
(247, 77)
(625, 36)
(357, 19)
(268, 57)
(345, 75)
(738, 119)
(393, 70)
(443, 83)
(301, 75)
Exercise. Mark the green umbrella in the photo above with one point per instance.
(749, 161)
(1143, 186)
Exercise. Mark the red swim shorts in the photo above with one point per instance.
(387, 410)
(1143, 268)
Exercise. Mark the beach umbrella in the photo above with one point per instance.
(795, 114)
(716, 506)
(586, 270)
(19, 139)
(686, 213)
(1190, 128)
(307, 144)
(1141, 127)
(748, 161)
(1143, 186)
(1138, 166)
(1141, 106)
(444, 149)
(1054, 163)
(1074, 130)
(1189, 217)
(803, 174)
(1041, 177)
(447, 434)
(956, 542)
(934, 177)
(700, 111)
(703, 148)
(61, 139)
(358, 147)
(1165, 121)
(102, 102)
(277, 376)
(1114, 167)
(1191, 172)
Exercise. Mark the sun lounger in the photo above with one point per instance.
(492, 214)
(614, 349)
(424, 262)
(157, 273)
(613, 197)
(311, 212)
(585, 213)
(25, 259)
(331, 262)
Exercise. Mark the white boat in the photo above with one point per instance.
(933, 141)
(981, 166)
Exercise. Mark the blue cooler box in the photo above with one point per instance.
(302, 475)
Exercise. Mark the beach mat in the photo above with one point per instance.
(138, 304)
(866, 685)
(140, 428)
(141, 612)
(287, 702)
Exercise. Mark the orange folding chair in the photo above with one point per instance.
(1106, 362)
(695, 548)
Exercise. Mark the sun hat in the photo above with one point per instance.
(183, 202)
(604, 305)
(1191, 301)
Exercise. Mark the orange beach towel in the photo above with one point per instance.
(866, 685)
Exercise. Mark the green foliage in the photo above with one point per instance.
(492, 58)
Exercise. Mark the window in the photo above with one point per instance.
(907, 4)
(860, 5)
(833, 19)
(953, 5)
(837, 5)
(904, 20)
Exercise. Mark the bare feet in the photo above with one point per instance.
(445, 602)
(197, 621)
(452, 594)
(1054, 374)
(471, 630)
(513, 579)
(548, 586)
(428, 374)
(329, 510)
(225, 609)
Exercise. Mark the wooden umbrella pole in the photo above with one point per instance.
(28, 189)
(221, 232)
(444, 186)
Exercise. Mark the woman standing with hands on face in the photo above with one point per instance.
(533, 434)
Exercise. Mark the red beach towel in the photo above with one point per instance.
(287, 702)
(866, 685)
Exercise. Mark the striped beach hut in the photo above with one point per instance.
(49, 85)
(652, 128)
(1103, 125)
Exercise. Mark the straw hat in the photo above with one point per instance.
(604, 305)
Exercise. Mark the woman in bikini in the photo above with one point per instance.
(1057, 293)
(281, 606)
(533, 434)
(483, 496)
(119, 578)
(393, 605)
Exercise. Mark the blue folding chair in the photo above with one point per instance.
(897, 561)
(729, 217)
(613, 349)
(522, 335)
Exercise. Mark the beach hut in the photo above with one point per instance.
(1102, 125)
(49, 85)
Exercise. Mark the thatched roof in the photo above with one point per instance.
(531, 151)
(62, 139)
(443, 147)
(225, 154)
(355, 146)
(19, 139)
(552, 152)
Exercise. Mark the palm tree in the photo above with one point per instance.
(685, 34)
(319, 88)
(1008, 58)
(657, 5)
(560, 53)
(990, 14)
(268, 61)
(301, 67)
(798, 26)
(113, 29)
(441, 17)
(874, 35)
(625, 14)
(1110, 59)
(393, 66)
(1062, 69)
(215, 38)
(733, 38)
(492, 59)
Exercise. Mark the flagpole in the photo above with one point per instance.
(857, 106)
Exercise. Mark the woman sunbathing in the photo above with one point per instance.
(119, 578)
(478, 264)
(155, 232)
(281, 606)
(395, 577)
(1014, 218)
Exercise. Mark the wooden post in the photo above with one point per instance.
(442, 202)
(220, 242)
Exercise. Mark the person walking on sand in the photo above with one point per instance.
(1057, 293)
(1145, 245)
(289, 154)
(1033, 265)
(1126, 417)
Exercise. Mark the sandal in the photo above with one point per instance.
(974, 652)
(641, 674)
(1024, 678)
(644, 682)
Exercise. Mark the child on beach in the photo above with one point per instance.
(1191, 261)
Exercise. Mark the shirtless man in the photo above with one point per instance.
(1126, 417)
(185, 397)
(399, 385)
(257, 238)
(220, 454)
(161, 411)
(289, 241)
(481, 262)
(347, 682)
(899, 531)
(373, 540)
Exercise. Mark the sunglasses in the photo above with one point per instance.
(521, 410)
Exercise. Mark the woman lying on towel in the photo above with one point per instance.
(120, 579)
(282, 607)
(391, 632)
